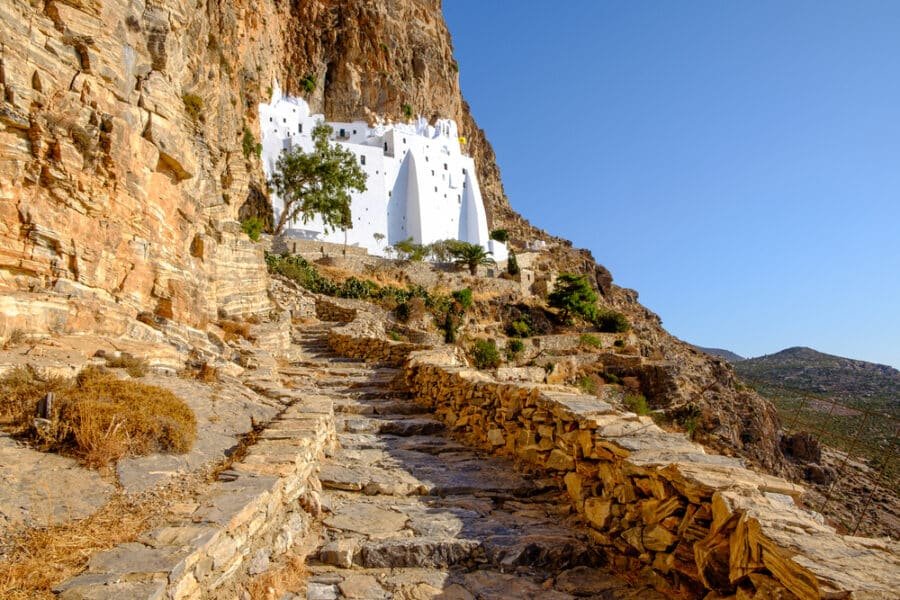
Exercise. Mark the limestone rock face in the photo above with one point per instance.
(127, 152)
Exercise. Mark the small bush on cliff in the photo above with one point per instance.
(409, 250)
(500, 235)
(309, 83)
(407, 111)
(514, 348)
(610, 321)
(512, 264)
(589, 341)
(249, 145)
(253, 227)
(193, 104)
(573, 295)
(637, 403)
(98, 417)
(485, 354)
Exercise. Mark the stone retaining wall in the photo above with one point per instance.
(694, 523)
(256, 510)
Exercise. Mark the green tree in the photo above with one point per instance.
(512, 264)
(409, 250)
(317, 183)
(471, 255)
(500, 235)
(573, 295)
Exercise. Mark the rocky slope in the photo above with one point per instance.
(123, 167)
(728, 355)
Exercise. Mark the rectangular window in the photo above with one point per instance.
(445, 166)
(343, 133)
(300, 127)
(362, 159)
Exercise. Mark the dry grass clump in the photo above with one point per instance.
(205, 373)
(20, 392)
(289, 576)
(134, 366)
(97, 417)
(235, 329)
(41, 558)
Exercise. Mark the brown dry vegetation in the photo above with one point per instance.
(234, 330)
(97, 417)
(289, 576)
(134, 366)
(38, 559)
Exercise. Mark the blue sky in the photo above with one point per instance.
(737, 163)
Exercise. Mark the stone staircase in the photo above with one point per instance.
(410, 513)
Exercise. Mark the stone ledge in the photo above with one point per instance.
(258, 504)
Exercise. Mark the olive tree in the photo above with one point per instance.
(317, 183)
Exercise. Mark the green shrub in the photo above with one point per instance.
(610, 321)
(637, 403)
(407, 111)
(512, 264)
(500, 235)
(309, 83)
(253, 227)
(612, 378)
(587, 385)
(485, 354)
(463, 297)
(514, 348)
(409, 250)
(573, 295)
(592, 341)
(519, 328)
(193, 104)
(249, 145)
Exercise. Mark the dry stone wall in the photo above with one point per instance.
(257, 510)
(660, 505)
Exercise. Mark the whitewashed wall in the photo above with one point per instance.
(419, 183)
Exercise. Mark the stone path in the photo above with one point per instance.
(409, 513)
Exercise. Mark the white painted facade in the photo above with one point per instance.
(419, 183)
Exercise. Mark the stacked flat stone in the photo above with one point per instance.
(255, 511)
(658, 503)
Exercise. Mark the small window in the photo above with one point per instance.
(300, 128)
(464, 171)
(426, 158)
(435, 188)
(343, 133)
(284, 120)
(389, 193)
(385, 147)
(445, 166)
(354, 132)
(404, 140)
(270, 119)
(362, 159)
(432, 172)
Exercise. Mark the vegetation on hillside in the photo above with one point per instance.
(848, 404)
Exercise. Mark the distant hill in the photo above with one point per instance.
(722, 353)
(849, 404)
(809, 371)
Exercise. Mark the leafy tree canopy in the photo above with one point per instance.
(573, 295)
(317, 183)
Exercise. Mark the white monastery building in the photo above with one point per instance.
(419, 183)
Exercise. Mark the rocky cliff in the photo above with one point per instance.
(127, 133)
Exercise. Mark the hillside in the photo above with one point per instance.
(804, 370)
(728, 355)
